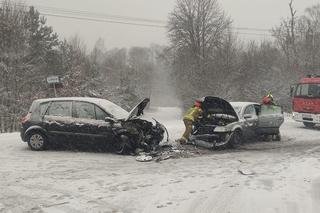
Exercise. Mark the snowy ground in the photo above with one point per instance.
(285, 177)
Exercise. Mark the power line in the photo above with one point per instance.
(252, 29)
(130, 23)
(91, 14)
(254, 34)
(99, 15)
(103, 20)
(126, 20)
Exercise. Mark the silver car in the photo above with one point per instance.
(259, 119)
(228, 124)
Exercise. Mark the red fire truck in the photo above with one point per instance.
(306, 100)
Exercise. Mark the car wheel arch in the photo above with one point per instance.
(237, 128)
(35, 129)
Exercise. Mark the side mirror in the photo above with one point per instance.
(109, 120)
(248, 116)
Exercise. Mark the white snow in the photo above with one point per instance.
(284, 177)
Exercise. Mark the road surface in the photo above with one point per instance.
(264, 177)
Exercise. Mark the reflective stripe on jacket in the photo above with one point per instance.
(193, 114)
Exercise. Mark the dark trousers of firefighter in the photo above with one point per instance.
(188, 131)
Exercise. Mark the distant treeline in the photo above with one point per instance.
(204, 57)
(208, 58)
(30, 51)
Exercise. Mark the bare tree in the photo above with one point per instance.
(197, 29)
(285, 35)
(299, 38)
(197, 26)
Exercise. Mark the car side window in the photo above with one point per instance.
(250, 110)
(270, 110)
(100, 114)
(60, 108)
(84, 110)
(43, 108)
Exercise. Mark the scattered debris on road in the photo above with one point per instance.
(171, 151)
(245, 171)
(144, 158)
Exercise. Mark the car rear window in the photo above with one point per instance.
(43, 108)
(32, 107)
(60, 108)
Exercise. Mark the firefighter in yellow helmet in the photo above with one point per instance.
(192, 115)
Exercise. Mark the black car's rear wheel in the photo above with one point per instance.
(37, 141)
(276, 137)
(309, 125)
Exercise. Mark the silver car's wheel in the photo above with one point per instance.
(236, 139)
(37, 141)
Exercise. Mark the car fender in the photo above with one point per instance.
(120, 131)
(235, 127)
(35, 128)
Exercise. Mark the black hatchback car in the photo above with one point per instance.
(88, 120)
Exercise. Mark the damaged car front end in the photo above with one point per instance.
(135, 133)
(219, 125)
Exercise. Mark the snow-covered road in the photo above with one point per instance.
(285, 177)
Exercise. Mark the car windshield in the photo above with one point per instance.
(308, 90)
(237, 109)
(237, 106)
(114, 109)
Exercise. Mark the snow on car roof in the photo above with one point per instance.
(241, 104)
(108, 106)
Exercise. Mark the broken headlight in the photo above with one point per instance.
(221, 129)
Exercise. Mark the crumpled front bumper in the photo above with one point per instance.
(211, 141)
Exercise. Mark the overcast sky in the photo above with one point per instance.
(244, 13)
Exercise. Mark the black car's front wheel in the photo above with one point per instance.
(122, 145)
(37, 141)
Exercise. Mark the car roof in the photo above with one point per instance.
(85, 99)
(109, 106)
(242, 104)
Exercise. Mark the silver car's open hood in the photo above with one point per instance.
(138, 109)
(218, 106)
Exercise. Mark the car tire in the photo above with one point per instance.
(276, 137)
(37, 141)
(309, 125)
(265, 138)
(122, 145)
(236, 139)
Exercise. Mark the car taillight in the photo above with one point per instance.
(26, 118)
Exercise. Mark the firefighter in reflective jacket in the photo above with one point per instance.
(190, 117)
(268, 99)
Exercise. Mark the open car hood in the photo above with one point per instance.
(138, 109)
(216, 105)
